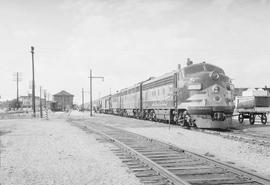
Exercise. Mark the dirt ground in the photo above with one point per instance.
(55, 152)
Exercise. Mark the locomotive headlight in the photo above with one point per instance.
(214, 75)
(197, 86)
(216, 89)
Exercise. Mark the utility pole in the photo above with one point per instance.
(17, 78)
(45, 106)
(82, 99)
(47, 101)
(91, 114)
(17, 89)
(45, 97)
(40, 102)
(33, 83)
(91, 77)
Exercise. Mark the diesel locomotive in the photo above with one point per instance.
(198, 95)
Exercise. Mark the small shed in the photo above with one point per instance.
(64, 100)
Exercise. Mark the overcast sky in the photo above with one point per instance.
(127, 41)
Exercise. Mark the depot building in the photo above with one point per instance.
(63, 100)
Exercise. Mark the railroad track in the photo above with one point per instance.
(154, 162)
(237, 135)
(252, 138)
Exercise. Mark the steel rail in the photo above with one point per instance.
(162, 171)
(240, 172)
(255, 176)
(229, 135)
(258, 178)
(251, 138)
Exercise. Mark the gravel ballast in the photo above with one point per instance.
(251, 157)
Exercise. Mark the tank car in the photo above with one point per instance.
(196, 95)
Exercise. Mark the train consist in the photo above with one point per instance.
(199, 95)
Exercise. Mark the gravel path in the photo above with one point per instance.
(54, 152)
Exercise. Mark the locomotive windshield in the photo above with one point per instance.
(196, 68)
(209, 67)
(193, 69)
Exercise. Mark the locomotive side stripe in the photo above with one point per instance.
(187, 101)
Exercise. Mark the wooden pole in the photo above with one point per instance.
(82, 99)
(40, 102)
(91, 114)
(33, 84)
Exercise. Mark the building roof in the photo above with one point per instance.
(63, 93)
